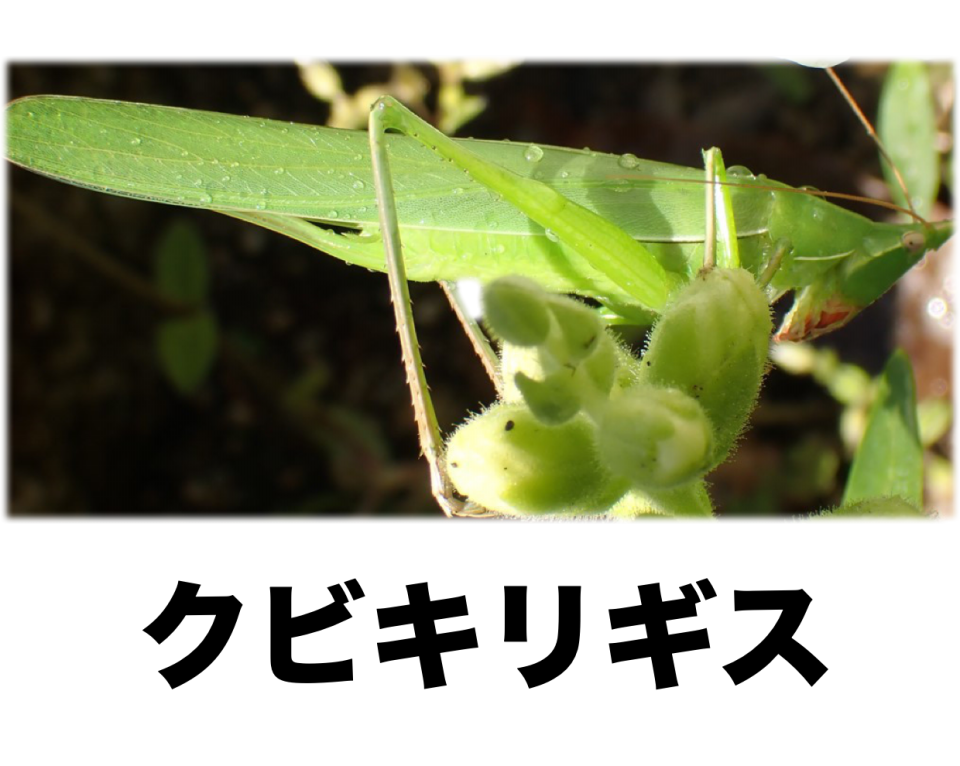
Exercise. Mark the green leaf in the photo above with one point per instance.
(935, 417)
(878, 507)
(907, 127)
(181, 266)
(889, 461)
(187, 347)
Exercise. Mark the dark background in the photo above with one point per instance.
(95, 428)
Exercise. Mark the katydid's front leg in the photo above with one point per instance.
(605, 246)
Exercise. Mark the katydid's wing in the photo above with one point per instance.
(250, 165)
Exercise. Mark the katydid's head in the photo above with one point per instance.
(888, 253)
(915, 239)
(885, 255)
(936, 234)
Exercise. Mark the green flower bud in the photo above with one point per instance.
(508, 462)
(514, 360)
(712, 343)
(516, 310)
(549, 379)
(553, 400)
(656, 437)
(600, 368)
(687, 500)
(579, 329)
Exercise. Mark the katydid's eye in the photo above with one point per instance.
(913, 242)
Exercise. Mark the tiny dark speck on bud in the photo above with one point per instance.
(508, 426)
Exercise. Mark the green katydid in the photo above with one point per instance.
(225, 163)
(283, 176)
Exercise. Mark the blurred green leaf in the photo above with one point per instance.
(181, 265)
(907, 127)
(793, 83)
(883, 507)
(951, 163)
(187, 347)
(935, 416)
(889, 461)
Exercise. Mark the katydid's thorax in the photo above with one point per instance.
(819, 235)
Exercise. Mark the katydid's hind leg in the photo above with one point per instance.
(481, 345)
(601, 243)
(431, 442)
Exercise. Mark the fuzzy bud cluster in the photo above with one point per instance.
(584, 424)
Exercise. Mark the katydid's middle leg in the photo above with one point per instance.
(479, 341)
